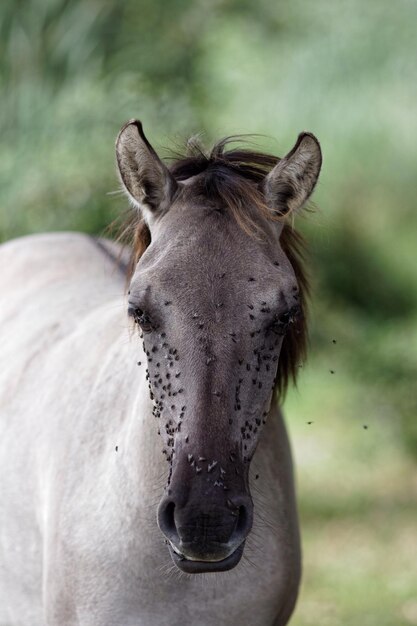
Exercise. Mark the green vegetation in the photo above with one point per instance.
(71, 72)
(357, 495)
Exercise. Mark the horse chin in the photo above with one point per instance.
(201, 567)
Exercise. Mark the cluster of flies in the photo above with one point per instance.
(163, 376)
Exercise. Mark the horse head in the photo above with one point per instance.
(218, 293)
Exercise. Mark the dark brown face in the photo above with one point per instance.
(214, 305)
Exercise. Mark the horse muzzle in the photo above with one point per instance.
(207, 536)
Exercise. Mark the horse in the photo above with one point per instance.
(145, 470)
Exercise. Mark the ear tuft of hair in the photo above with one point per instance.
(145, 178)
(291, 182)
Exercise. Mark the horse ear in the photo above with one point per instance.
(147, 181)
(291, 182)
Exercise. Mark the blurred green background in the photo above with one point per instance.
(72, 71)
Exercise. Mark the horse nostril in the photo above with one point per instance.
(242, 521)
(166, 520)
(169, 516)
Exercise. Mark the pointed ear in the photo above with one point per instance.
(291, 182)
(147, 181)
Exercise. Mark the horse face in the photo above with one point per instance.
(214, 304)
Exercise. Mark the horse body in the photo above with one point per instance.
(79, 541)
(98, 425)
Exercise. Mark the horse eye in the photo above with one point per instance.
(282, 321)
(141, 318)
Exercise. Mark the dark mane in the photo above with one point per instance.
(233, 179)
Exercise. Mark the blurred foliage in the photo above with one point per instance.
(73, 71)
(357, 495)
